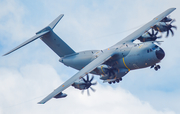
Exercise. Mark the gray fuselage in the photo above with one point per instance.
(128, 57)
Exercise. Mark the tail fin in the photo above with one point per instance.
(50, 38)
(55, 22)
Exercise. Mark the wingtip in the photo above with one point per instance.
(54, 23)
(40, 103)
(5, 54)
(172, 8)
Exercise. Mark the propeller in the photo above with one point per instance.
(88, 84)
(153, 36)
(158, 42)
(169, 26)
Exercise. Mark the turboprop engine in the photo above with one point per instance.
(107, 72)
(83, 84)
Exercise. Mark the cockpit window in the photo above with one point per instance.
(155, 47)
(150, 50)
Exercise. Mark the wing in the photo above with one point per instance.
(132, 37)
(88, 68)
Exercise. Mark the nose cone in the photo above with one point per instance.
(160, 54)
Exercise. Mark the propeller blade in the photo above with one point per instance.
(152, 31)
(87, 77)
(93, 89)
(88, 92)
(82, 92)
(172, 21)
(84, 80)
(174, 27)
(156, 33)
(167, 33)
(172, 32)
(92, 78)
(159, 43)
(149, 34)
(88, 84)
(159, 37)
(94, 83)
(84, 84)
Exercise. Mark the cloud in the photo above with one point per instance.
(32, 72)
(20, 87)
(11, 20)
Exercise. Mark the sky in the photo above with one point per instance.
(32, 72)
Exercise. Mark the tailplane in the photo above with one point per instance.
(50, 38)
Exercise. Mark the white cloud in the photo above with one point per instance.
(25, 75)
(11, 19)
(20, 87)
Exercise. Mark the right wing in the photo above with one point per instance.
(132, 37)
(88, 68)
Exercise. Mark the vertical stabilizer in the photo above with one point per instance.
(57, 44)
(55, 22)
(54, 41)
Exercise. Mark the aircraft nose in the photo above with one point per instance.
(160, 54)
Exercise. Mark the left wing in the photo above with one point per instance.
(132, 37)
(88, 68)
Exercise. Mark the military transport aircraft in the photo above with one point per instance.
(110, 64)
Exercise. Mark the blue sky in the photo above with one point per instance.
(31, 73)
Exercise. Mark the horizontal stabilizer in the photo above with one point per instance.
(27, 42)
(39, 34)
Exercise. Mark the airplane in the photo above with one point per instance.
(110, 64)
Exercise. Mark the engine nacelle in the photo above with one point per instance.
(149, 36)
(165, 27)
(83, 83)
(106, 72)
(160, 26)
(79, 84)
(102, 69)
(166, 19)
